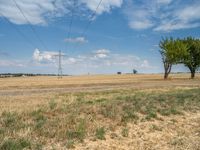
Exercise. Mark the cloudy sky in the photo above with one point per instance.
(95, 36)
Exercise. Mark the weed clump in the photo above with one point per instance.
(10, 122)
(151, 114)
(52, 104)
(109, 111)
(70, 144)
(125, 132)
(100, 133)
(129, 114)
(79, 132)
(169, 111)
(12, 144)
(9, 119)
(39, 118)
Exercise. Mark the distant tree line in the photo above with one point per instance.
(6, 75)
(180, 51)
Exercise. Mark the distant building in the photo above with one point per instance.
(119, 72)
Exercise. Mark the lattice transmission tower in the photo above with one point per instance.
(60, 69)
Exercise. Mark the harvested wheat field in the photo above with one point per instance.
(111, 112)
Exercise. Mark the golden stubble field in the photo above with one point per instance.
(23, 92)
(100, 112)
(92, 80)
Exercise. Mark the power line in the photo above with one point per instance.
(91, 19)
(31, 26)
(68, 36)
(19, 31)
(71, 21)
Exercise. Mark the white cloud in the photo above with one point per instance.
(187, 17)
(164, 1)
(145, 64)
(76, 40)
(104, 59)
(44, 57)
(143, 24)
(11, 63)
(71, 60)
(35, 10)
(176, 26)
(99, 61)
(162, 15)
(189, 13)
(138, 17)
(40, 12)
(102, 53)
(105, 6)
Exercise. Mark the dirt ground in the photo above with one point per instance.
(180, 132)
(22, 92)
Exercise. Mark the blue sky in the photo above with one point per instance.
(123, 34)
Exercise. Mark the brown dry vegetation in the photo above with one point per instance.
(100, 112)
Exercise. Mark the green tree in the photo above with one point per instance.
(134, 71)
(172, 52)
(192, 59)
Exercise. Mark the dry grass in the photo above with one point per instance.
(119, 118)
(18, 94)
(79, 81)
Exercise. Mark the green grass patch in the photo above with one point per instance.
(78, 133)
(18, 144)
(125, 132)
(52, 104)
(100, 133)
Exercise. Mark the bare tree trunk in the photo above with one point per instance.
(192, 70)
(166, 75)
(192, 74)
(168, 68)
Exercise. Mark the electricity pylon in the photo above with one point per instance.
(59, 55)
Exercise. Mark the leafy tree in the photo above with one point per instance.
(134, 71)
(172, 52)
(192, 59)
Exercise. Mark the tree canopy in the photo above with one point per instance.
(192, 59)
(180, 51)
(172, 52)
